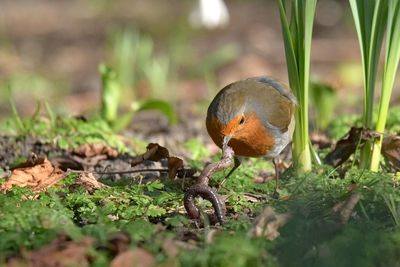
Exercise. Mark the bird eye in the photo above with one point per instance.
(241, 120)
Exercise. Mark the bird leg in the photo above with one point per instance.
(275, 161)
(236, 165)
(202, 189)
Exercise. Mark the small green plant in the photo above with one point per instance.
(369, 17)
(22, 127)
(196, 147)
(372, 19)
(297, 39)
(133, 58)
(323, 98)
(110, 93)
(132, 65)
(392, 59)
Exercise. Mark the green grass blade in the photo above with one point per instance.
(375, 46)
(289, 50)
(392, 59)
(309, 20)
(17, 119)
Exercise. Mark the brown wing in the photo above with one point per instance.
(276, 101)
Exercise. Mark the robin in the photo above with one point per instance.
(254, 117)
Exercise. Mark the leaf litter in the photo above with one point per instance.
(38, 173)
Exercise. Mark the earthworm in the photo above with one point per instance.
(205, 192)
(202, 189)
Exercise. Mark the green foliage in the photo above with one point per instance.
(231, 250)
(323, 98)
(214, 60)
(133, 64)
(369, 19)
(110, 93)
(392, 60)
(372, 20)
(154, 104)
(133, 58)
(67, 132)
(31, 224)
(314, 236)
(297, 35)
(197, 148)
(22, 127)
(341, 124)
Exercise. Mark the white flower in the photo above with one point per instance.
(210, 14)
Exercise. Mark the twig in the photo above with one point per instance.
(125, 172)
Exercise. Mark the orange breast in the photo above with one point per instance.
(249, 140)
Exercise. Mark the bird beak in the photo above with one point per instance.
(225, 141)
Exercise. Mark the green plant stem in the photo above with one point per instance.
(297, 38)
(370, 21)
(392, 59)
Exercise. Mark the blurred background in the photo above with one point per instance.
(50, 51)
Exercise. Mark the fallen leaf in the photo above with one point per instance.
(174, 164)
(160, 152)
(136, 257)
(391, 150)
(347, 145)
(119, 242)
(88, 181)
(30, 162)
(154, 152)
(95, 149)
(66, 162)
(40, 176)
(89, 161)
(170, 248)
(268, 223)
(59, 252)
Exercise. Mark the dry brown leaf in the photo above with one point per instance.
(154, 152)
(174, 164)
(65, 162)
(59, 252)
(347, 145)
(170, 248)
(30, 162)
(136, 257)
(119, 242)
(268, 223)
(88, 181)
(95, 149)
(159, 153)
(391, 150)
(39, 177)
